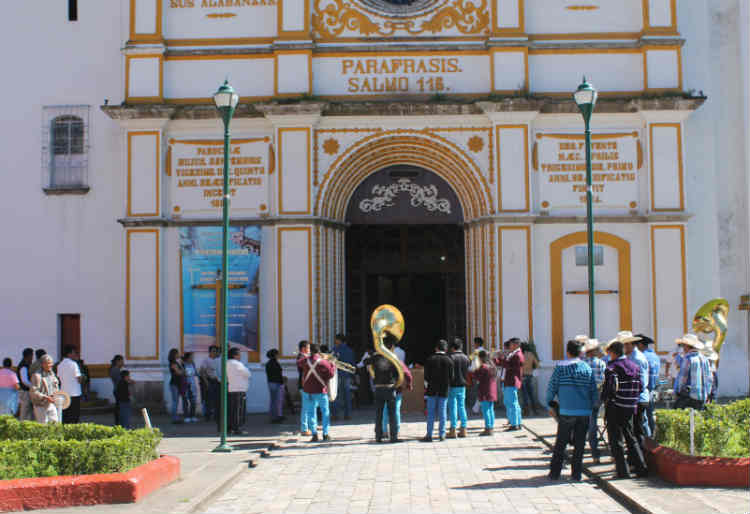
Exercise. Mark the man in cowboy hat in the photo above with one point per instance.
(634, 354)
(712, 357)
(620, 393)
(646, 345)
(694, 382)
(598, 366)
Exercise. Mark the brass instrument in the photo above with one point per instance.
(711, 318)
(474, 359)
(343, 366)
(388, 318)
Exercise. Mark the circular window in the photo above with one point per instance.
(401, 7)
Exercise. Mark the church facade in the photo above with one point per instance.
(424, 153)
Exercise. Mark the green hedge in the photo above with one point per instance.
(29, 449)
(720, 430)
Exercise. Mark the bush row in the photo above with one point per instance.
(720, 430)
(29, 449)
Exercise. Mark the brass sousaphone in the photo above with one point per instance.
(710, 319)
(388, 319)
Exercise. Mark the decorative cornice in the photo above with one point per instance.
(538, 219)
(267, 220)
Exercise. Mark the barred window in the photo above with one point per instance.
(65, 149)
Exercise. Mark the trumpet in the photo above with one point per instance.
(343, 366)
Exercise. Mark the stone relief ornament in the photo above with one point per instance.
(421, 196)
(476, 144)
(331, 146)
(331, 18)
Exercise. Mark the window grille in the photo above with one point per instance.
(65, 149)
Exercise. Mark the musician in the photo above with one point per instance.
(304, 422)
(438, 373)
(457, 393)
(472, 392)
(316, 372)
(598, 366)
(385, 376)
(694, 382)
(343, 352)
(634, 354)
(645, 345)
(390, 343)
(512, 362)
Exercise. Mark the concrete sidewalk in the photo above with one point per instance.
(652, 494)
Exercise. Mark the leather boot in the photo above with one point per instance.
(451, 434)
(462, 432)
(486, 431)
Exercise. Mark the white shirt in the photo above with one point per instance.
(237, 376)
(68, 373)
(209, 368)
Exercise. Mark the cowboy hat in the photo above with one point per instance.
(581, 339)
(624, 336)
(591, 344)
(644, 339)
(690, 340)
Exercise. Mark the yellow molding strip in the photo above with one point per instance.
(128, 273)
(498, 129)
(280, 290)
(683, 263)
(280, 157)
(156, 135)
(680, 178)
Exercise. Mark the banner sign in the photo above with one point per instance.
(200, 264)
(561, 161)
(197, 167)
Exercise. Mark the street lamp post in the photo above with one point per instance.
(585, 97)
(226, 101)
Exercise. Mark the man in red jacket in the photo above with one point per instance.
(316, 372)
(512, 362)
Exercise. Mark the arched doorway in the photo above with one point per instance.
(405, 246)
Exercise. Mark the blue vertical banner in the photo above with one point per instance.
(200, 264)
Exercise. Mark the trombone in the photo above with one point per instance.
(343, 366)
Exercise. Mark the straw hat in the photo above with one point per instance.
(591, 344)
(581, 339)
(624, 336)
(690, 340)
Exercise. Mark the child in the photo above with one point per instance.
(486, 377)
(122, 395)
(275, 379)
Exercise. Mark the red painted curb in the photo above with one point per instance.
(682, 469)
(69, 491)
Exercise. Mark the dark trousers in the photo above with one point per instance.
(578, 426)
(385, 397)
(235, 412)
(619, 427)
(124, 414)
(639, 425)
(117, 412)
(212, 403)
(685, 402)
(73, 413)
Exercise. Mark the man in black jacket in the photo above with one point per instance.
(457, 392)
(384, 377)
(438, 373)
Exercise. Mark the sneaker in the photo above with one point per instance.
(326, 437)
(305, 433)
(314, 438)
(553, 477)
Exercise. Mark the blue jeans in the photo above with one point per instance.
(457, 406)
(344, 396)
(593, 435)
(304, 416)
(124, 412)
(398, 414)
(488, 412)
(175, 390)
(276, 392)
(528, 392)
(318, 400)
(439, 404)
(512, 408)
(650, 415)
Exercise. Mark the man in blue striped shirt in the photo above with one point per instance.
(574, 386)
(591, 349)
(646, 346)
(634, 354)
(693, 385)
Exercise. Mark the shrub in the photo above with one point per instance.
(720, 430)
(29, 449)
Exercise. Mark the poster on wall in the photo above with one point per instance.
(200, 264)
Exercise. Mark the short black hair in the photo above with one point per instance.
(574, 347)
(272, 353)
(314, 348)
(213, 347)
(68, 349)
(303, 343)
(513, 340)
(644, 339)
(341, 337)
(389, 340)
(187, 355)
(479, 341)
(40, 353)
(28, 352)
(442, 345)
(124, 373)
(116, 358)
(617, 348)
(234, 352)
(456, 344)
(7, 362)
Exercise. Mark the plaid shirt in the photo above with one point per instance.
(695, 377)
(597, 366)
(622, 384)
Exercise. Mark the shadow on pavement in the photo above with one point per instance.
(518, 466)
(514, 483)
(510, 448)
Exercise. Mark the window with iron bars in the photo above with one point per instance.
(65, 149)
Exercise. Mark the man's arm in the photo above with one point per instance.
(25, 376)
(553, 386)
(593, 390)
(644, 374)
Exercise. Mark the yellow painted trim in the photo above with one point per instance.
(678, 51)
(276, 54)
(128, 268)
(681, 228)
(148, 37)
(218, 142)
(613, 135)
(400, 39)
(391, 53)
(556, 291)
(280, 290)
(220, 41)
(509, 49)
(527, 229)
(144, 99)
(670, 30)
(679, 165)
(498, 129)
(579, 36)
(219, 57)
(518, 30)
(571, 51)
(282, 172)
(304, 34)
(156, 135)
(210, 101)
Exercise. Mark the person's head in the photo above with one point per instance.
(314, 348)
(574, 348)
(173, 354)
(456, 345)
(389, 340)
(117, 361)
(643, 342)
(234, 353)
(7, 362)
(125, 375)
(28, 355)
(689, 343)
(40, 352)
(304, 346)
(441, 345)
(628, 347)
(70, 351)
(478, 341)
(339, 339)
(187, 357)
(484, 357)
(47, 362)
(272, 354)
(615, 350)
(213, 351)
(324, 348)
(513, 343)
